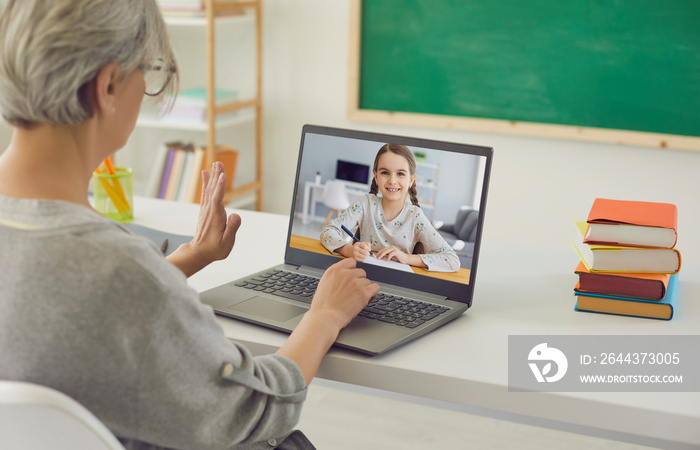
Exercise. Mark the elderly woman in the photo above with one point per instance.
(90, 309)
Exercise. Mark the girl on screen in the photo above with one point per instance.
(389, 226)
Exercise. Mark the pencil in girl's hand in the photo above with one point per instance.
(353, 236)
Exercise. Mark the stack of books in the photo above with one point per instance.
(629, 264)
(191, 105)
(177, 171)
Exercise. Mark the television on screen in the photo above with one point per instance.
(353, 172)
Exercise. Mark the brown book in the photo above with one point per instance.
(627, 306)
(650, 286)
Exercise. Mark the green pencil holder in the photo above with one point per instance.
(113, 194)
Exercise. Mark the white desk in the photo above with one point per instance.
(313, 193)
(520, 290)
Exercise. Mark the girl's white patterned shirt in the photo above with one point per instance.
(365, 217)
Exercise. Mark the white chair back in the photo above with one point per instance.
(38, 417)
(335, 195)
(335, 198)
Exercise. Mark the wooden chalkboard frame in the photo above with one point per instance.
(603, 135)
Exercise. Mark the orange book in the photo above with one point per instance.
(632, 223)
(229, 157)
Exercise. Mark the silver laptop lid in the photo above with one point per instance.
(452, 183)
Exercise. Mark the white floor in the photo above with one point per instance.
(338, 419)
(311, 229)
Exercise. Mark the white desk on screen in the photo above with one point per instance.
(313, 193)
(520, 290)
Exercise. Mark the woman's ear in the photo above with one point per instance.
(106, 88)
(413, 179)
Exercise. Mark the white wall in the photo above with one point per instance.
(538, 186)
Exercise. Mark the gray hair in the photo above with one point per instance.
(50, 50)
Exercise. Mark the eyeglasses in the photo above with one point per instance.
(157, 76)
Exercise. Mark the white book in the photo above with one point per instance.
(636, 235)
(195, 175)
(612, 258)
(156, 175)
(184, 178)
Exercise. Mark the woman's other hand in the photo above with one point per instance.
(342, 292)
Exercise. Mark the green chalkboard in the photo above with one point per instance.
(613, 64)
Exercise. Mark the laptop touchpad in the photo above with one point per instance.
(271, 309)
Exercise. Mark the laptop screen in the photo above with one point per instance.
(438, 229)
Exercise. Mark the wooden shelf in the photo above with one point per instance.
(226, 14)
(241, 117)
(201, 21)
(216, 11)
(240, 191)
(432, 199)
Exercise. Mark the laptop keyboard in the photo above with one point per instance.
(387, 308)
(285, 284)
(401, 311)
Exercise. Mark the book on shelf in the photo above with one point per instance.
(191, 105)
(197, 97)
(229, 157)
(174, 5)
(632, 223)
(194, 181)
(649, 286)
(172, 167)
(626, 306)
(153, 185)
(181, 4)
(177, 171)
(176, 12)
(615, 258)
(167, 168)
(185, 174)
(172, 184)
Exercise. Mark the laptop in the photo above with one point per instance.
(451, 180)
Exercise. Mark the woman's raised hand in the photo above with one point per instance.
(215, 233)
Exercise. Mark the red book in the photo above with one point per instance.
(648, 286)
(632, 223)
